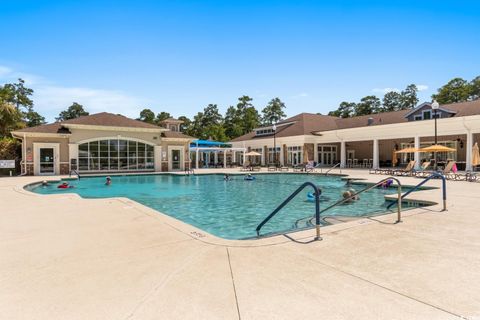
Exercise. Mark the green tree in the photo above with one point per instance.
(345, 110)
(162, 116)
(250, 119)
(368, 105)
(185, 126)
(273, 112)
(17, 94)
(233, 123)
(147, 115)
(456, 90)
(475, 89)
(209, 124)
(10, 118)
(74, 111)
(33, 118)
(409, 97)
(392, 101)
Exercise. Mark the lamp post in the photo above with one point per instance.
(274, 128)
(435, 106)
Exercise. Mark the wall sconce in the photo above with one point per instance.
(460, 142)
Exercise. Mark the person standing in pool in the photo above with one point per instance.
(226, 177)
(108, 181)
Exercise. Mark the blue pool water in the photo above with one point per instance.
(228, 209)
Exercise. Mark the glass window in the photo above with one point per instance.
(115, 155)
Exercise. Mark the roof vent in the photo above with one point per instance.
(370, 121)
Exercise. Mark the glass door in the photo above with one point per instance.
(47, 163)
(176, 160)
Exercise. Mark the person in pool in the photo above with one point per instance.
(348, 195)
(44, 183)
(108, 181)
(64, 185)
(226, 177)
(386, 184)
(249, 177)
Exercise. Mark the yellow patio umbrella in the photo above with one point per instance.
(407, 150)
(394, 158)
(475, 155)
(437, 148)
(305, 155)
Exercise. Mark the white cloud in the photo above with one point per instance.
(300, 95)
(50, 98)
(422, 87)
(385, 90)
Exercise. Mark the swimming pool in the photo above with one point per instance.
(228, 209)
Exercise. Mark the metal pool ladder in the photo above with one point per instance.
(317, 203)
(76, 173)
(433, 175)
(316, 193)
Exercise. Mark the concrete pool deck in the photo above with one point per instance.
(64, 257)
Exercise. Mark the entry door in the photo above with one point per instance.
(176, 165)
(47, 161)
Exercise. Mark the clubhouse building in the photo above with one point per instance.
(368, 141)
(103, 142)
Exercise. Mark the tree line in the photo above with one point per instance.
(17, 110)
(456, 90)
(238, 120)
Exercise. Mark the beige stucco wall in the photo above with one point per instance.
(31, 140)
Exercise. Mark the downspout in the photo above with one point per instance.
(24, 143)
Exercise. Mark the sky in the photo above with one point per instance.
(179, 56)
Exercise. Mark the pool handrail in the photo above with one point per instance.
(76, 173)
(399, 200)
(336, 165)
(286, 201)
(433, 175)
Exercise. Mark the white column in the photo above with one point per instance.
(196, 159)
(262, 159)
(224, 158)
(315, 152)
(157, 156)
(72, 154)
(215, 157)
(417, 154)
(376, 157)
(343, 154)
(469, 146)
(234, 156)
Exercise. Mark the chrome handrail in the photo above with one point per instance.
(76, 172)
(286, 201)
(433, 175)
(399, 201)
(338, 164)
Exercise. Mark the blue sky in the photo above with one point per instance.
(179, 56)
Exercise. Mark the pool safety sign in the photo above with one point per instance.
(7, 164)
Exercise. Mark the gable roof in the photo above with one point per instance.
(301, 124)
(97, 119)
(308, 123)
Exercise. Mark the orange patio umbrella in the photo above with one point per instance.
(407, 150)
(475, 155)
(437, 148)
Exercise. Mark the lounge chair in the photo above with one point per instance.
(408, 171)
(422, 172)
(298, 168)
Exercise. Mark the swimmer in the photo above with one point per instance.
(108, 181)
(386, 184)
(249, 177)
(44, 183)
(64, 186)
(226, 177)
(352, 192)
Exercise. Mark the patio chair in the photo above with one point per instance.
(355, 163)
(408, 171)
(423, 172)
(256, 168)
(298, 168)
(349, 163)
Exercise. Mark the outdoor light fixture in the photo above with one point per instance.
(435, 107)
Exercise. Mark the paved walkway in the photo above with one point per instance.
(63, 257)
